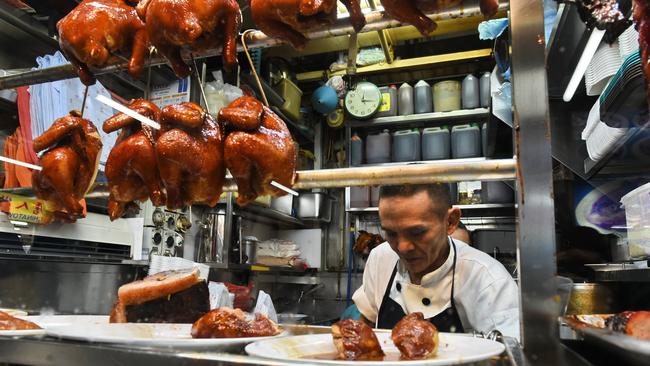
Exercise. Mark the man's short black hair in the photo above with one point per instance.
(438, 192)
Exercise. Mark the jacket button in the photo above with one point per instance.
(398, 286)
(426, 302)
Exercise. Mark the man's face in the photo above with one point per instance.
(416, 231)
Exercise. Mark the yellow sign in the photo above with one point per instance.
(25, 209)
(385, 102)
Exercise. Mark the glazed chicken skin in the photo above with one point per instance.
(415, 337)
(632, 323)
(132, 168)
(8, 322)
(288, 20)
(193, 24)
(355, 340)
(259, 149)
(69, 165)
(94, 32)
(413, 11)
(190, 156)
(232, 323)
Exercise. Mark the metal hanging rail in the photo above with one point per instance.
(415, 173)
(375, 21)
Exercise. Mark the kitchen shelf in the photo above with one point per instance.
(268, 216)
(260, 268)
(482, 206)
(420, 118)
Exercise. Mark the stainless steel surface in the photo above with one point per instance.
(631, 351)
(26, 23)
(624, 275)
(423, 117)
(536, 217)
(315, 205)
(64, 287)
(211, 239)
(374, 21)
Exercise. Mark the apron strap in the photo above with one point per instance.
(453, 272)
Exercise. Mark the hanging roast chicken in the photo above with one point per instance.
(196, 25)
(190, 156)
(288, 20)
(413, 11)
(132, 168)
(69, 165)
(258, 149)
(94, 32)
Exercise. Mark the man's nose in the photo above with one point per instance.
(404, 245)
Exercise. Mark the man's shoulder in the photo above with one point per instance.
(480, 261)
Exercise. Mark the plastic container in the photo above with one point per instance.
(484, 90)
(436, 143)
(292, 96)
(446, 96)
(423, 97)
(378, 148)
(406, 100)
(484, 142)
(359, 197)
(470, 92)
(406, 145)
(388, 106)
(637, 216)
(356, 150)
(496, 192)
(465, 142)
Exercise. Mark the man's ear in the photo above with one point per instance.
(453, 220)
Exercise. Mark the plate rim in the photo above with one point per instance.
(432, 361)
(65, 332)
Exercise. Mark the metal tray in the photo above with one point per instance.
(632, 350)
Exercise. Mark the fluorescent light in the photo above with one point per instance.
(588, 53)
(21, 163)
(131, 113)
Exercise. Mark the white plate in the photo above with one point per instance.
(140, 334)
(46, 321)
(454, 349)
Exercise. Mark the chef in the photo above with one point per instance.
(420, 268)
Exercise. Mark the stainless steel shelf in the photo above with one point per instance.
(421, 118)
(623, 275)
(267, 215)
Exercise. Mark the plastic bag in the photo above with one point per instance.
(219, 296)
(265, 306)
(220, 94)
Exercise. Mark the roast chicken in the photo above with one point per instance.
(413, 11)
(69, 165)
(232, 323)
(190, 156)
(132, 168)
(415, 337)
(8, 322)
(355, 340)
(632, 323)
(192, 24)
(258, 149)
(366, 242)
(288, 20)
(96, 31)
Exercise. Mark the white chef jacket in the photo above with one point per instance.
(485, 294)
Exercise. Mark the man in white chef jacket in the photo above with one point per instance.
(422, 269)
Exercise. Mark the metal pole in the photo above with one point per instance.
(536, 224)
(375, 21)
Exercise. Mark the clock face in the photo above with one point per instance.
(363, 101)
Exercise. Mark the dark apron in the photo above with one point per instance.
(391, 312)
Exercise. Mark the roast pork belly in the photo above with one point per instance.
(355, 340)
(232, 323)
(633, 323)
(166, 297)
(8, 322)
(415, 337)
